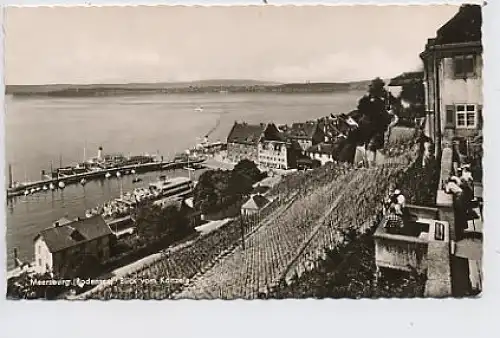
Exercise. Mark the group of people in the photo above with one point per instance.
(461, 186)
(394, 209)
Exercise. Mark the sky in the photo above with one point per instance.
(143, 44)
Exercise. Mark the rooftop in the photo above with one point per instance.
(462, 31)
(74, 233)
(465, 26)
(255, 202)
(246, 133)
(302, 130)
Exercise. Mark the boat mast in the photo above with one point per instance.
(10, 176)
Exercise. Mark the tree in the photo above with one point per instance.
(217, 189)
(154, 221)
(239, 185)
(248, 168)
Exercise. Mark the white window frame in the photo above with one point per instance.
(464, 113)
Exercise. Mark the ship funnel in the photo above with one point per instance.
(99, 153)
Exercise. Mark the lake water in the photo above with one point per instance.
(41, 131)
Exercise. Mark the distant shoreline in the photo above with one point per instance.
(117, 90)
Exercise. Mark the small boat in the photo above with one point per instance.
(33, 190)
(132, 171)
(136, 180)
(83, 181)
(199, 109)
(52, 186)
(38, 188)
(118, 174)
(44, 188)
(26, 192)
(108, 175)
(61, 184)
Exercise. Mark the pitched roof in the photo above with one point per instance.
(465, 26)
(272, 133)
(245, 133)
(64, 236)
(321, 148)
(302, 130)
(255, 202)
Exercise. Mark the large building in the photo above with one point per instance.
(243, 141)
(261, 143)
(56, 248)
(274, 151)
(453, 67)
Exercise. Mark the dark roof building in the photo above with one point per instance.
(303, 130)
(465, 26)
(244, 133)
(256, 202)
(453, 66)
(61, 237)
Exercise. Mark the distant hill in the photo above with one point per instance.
(233, 86)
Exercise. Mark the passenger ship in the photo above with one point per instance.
(118, 213)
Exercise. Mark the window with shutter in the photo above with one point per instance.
(450, 116)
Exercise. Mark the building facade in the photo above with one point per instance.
(56, 248)
(273, 154)
(306, 134)
(263, 144)
(453, 67)
(243, 142)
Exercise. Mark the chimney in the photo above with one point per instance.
(99, 153)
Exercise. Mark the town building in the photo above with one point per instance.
(263, 144)
(322, 152)
(243, 142)
(453, 66)
(273, 150)
(306, 134)
(254, 205)
(67, 241)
